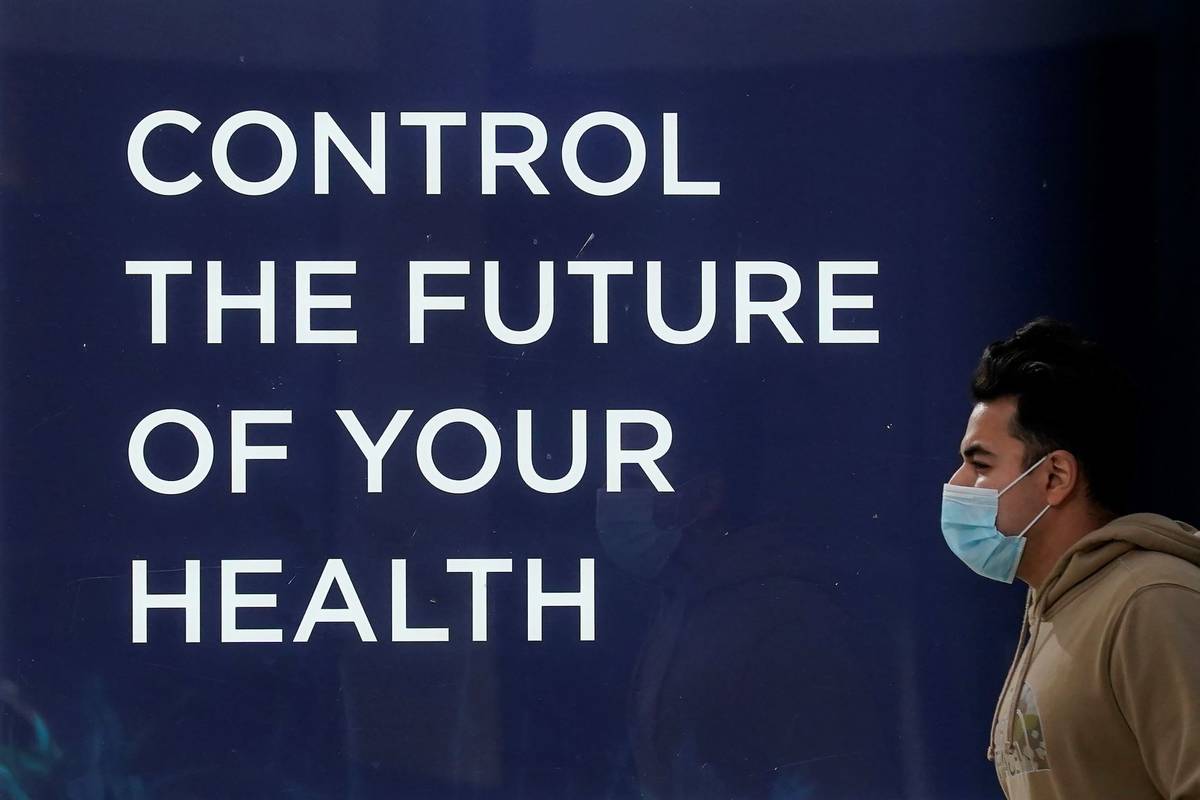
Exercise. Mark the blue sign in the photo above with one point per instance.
(546, 400)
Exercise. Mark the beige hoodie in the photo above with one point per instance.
(1103, 697)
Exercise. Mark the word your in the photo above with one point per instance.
(354, 613)
(374, 449)
(373, 170)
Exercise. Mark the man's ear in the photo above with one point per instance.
(1063, 478)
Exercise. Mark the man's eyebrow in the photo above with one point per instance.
(976, 450)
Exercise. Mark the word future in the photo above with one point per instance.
(353, 612)
(422, 301)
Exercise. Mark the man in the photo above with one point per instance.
(1103, 696)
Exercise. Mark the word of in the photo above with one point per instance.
(374, 450)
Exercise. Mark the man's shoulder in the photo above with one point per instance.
(1140, 570)
(1135, 574)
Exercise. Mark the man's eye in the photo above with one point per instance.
(981, 466)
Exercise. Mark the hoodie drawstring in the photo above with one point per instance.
(1020, 681)
(991, 750)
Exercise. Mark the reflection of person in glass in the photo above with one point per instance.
(748, 683)
(1103, 695)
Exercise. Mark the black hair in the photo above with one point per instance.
(1070, 395)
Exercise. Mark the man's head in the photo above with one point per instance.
(1047, 391)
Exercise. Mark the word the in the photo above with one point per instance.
(421, 302)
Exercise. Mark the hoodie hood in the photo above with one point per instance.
(1106, 544)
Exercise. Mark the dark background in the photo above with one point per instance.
(999, 161)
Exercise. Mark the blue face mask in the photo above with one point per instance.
(969, 527)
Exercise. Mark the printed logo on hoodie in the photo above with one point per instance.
(1029, 753)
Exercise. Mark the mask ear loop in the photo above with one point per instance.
(1033, 521)
(1032, 467)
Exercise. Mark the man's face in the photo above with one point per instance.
(992, 457)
